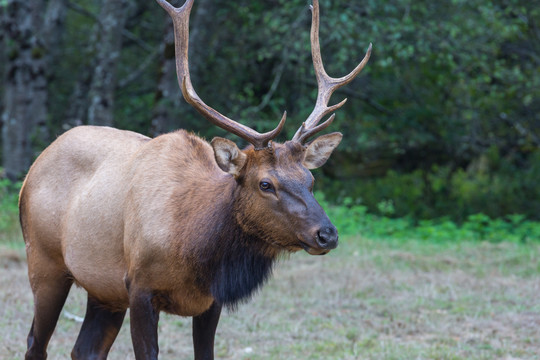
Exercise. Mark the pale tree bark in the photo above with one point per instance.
(113, 16)
(30, 31)
(24, 115)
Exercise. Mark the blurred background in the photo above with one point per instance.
(444, 121)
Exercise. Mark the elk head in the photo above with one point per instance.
(274, 198)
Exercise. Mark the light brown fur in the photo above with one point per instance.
(102, 204)
(68, 222)
(172, 219)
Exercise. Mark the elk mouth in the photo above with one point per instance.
(311, 250)
(320, 241)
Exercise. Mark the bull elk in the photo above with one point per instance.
(173, 223)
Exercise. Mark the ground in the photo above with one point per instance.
(368, 299)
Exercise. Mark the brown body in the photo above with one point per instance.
(59, 231)
(122, 215)
(100, 236)
(171, 224)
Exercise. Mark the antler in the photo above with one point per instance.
(327, 85)
(180, 18)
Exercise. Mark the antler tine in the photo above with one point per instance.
(180, 17)
(326, 84)
(307, 133)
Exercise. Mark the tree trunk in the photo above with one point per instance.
(29, 34)
(113, 17)
(25, 82)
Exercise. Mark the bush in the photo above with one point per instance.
(9, 211)
(493, 186)
(354, 219)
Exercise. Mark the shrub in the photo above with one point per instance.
(354, 219)
(9, 210)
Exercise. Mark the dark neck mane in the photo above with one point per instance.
(240, 272)
(236, 264)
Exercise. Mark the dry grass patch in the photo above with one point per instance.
(367, 300)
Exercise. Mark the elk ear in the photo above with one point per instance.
(228, 156)
(320, 149)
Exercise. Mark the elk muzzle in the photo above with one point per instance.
(322, 241)
(327, 237)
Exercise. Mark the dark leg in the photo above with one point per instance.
(98, 331)
(50, 293)
(144, 318)
(204, 330)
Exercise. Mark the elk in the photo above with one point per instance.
(174, 223)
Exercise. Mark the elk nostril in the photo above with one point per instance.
(321, 239)
(327, 237)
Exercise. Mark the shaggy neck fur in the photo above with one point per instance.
(235, 263)
(240, 271)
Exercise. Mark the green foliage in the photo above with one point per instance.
(489, 185)
(451, 86)
(9, 211)
(353, 219)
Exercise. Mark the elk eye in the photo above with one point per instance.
(266, 186)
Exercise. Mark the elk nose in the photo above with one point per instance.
(327, 237)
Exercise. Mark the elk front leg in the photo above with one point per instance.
(204, 330)
(144, 317)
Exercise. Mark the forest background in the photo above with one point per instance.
(443, 123)
(434, 188)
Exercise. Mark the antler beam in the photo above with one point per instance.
(326, 84)
(180, 17)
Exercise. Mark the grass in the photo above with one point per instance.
(369, 299)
